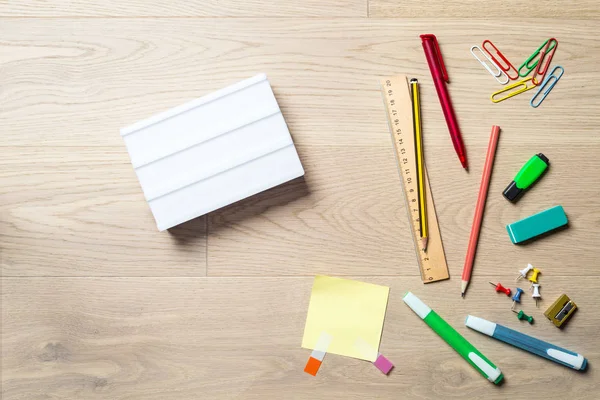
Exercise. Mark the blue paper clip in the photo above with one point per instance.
(546, 86)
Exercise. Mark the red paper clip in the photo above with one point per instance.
(507, 67)
(545, 59)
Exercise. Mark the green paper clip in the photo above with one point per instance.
(531, 57)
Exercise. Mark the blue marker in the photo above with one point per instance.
(517, 297)
(528, 343)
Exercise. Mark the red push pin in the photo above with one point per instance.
(500, 288)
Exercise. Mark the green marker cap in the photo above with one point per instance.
(529, 173)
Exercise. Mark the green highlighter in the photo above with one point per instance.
(454, 339)
(529, 173)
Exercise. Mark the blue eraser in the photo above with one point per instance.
(537, 224)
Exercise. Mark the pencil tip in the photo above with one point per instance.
(425, 241)
(462, 295)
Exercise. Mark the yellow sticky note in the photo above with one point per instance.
(347, 310)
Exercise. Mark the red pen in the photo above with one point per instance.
(440, 77)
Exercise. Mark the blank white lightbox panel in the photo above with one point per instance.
(212, 151)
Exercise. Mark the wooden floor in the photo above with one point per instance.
(97, 304)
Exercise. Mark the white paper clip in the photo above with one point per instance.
(496, 75)
(546, 86)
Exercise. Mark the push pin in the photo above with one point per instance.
(521, 315)
(536, 292)
(517, 298)
(534, 278)
(523, 273)
(500, 288)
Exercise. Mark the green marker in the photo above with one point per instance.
(529, 173)
(454, 339)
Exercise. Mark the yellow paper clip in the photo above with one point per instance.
(508, 88)
(546, 86)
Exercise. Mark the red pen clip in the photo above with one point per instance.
(545, 58)
(506, 68)
(438, 53)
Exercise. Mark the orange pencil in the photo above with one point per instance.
(476, 227)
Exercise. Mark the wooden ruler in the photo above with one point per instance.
(398, 103)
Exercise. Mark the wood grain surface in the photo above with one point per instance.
(184, 8)
(190, 338)
(97, 304)
(477, 9)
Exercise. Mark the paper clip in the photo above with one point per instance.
(546, 86)
(512, 86)
(496, 75)
(507, 67)
(531, 57)
(546, 55)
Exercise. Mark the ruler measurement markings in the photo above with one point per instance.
(432, 263)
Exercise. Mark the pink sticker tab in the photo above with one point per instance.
(383, 364)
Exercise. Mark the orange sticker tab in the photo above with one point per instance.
(312, 366)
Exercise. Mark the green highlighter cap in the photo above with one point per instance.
(529, 173)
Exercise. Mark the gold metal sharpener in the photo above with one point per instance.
(561, 310)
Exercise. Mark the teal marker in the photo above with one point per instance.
(529, 173)
(454, 339)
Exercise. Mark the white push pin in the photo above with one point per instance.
(536, 293)
(523, 273)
